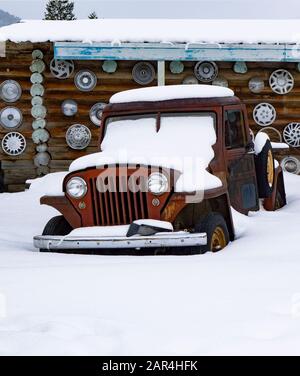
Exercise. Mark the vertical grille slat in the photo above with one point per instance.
(123, 190)
(129, 206)
(135, 204)
(112, 207)
(107, 207)
(144, 202)
(142, 205)
(102, 212)
(123, 208)
(118, 207)
(117, 202)
(96, 201)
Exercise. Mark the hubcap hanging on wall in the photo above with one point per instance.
(13, 143)
(10, 91)
(78, 136)
(281, 81)
(61, 69)
(11, 117)
(264, 114)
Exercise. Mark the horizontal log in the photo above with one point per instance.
(17, 164)
(60, 144)
(18, 177)
(13, 188)
(101, 87)
(60, 164)
(70, 154)
(24, 156)
(58, 169)
(57, 137)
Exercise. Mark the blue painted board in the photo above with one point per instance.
(183, 52)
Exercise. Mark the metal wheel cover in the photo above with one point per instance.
(78, 136)
(10, 91)
(190, 80)
(37, 90)
(37, 54)
(176, 67)
(39, 123)
(85, 80)
(256, 85)
(96, 113)
(218, 240)
(206, 71)
(69, 107)
(62, 69)
(13, 143)
(36, 78)
(220, 82)
(268, 130)
(11, 117)
(143, 73)
(39, 112)
(291, 134)
(291, 164)
(264, 114)
(281, 81)
(35, 101)
(37, 66)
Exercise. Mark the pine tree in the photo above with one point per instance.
(60, 10)
(93, 16)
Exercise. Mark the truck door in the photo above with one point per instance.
(241, 174)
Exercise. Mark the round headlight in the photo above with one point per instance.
(76, 187)
(158, 183)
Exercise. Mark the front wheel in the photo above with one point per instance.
(217, 232)
(56, 226)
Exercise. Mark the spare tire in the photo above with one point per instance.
(264, 165)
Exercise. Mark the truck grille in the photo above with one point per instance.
(117, 208)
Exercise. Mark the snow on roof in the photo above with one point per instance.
(162, 93)
(155, 30)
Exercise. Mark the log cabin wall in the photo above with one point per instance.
(16, 66)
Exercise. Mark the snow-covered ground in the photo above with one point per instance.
(243, 300)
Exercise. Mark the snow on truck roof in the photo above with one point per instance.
(162, 93)
(154, 30)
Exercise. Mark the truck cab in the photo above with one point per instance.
(172, 162)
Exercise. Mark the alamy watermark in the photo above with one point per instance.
(185, 175)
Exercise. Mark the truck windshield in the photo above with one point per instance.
(158, 133)
(153, 122)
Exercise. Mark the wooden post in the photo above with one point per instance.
(161, 73)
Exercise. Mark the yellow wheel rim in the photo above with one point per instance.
(218, 240)
(270, 168)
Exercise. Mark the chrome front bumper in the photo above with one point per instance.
(171, 239)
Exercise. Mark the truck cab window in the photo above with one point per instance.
(234, 129)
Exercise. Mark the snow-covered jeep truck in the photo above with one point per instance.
(173, 160)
